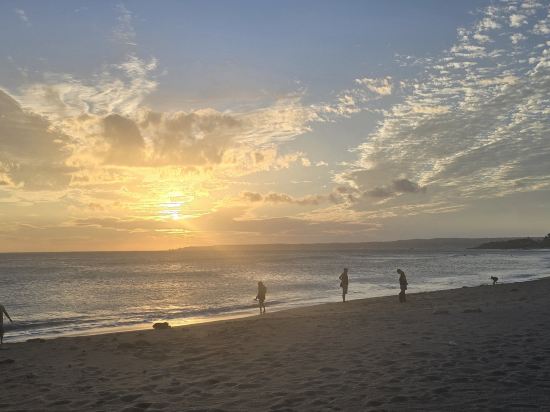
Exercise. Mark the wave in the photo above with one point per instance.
(59, 326)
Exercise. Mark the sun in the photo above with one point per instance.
(172, 205)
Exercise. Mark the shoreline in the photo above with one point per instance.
(241, 314)
(473, 348)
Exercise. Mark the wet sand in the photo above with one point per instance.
(482, 348)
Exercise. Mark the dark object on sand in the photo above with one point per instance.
(161, 325)
(476, 310)
(6, 361)
(494, 279)
(36, 340)
(441, 312)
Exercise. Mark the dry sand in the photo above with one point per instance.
(483, 348)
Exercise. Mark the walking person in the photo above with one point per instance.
(260, 297)
(344, 281)
(403, 285)
(2, 312)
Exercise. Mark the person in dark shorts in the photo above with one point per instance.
(403, 285)
(2, 313)
(260, 297)
(344, 281)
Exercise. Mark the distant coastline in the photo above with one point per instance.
(523, 243)
(406, 244)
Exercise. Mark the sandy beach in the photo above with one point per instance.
(480, 348)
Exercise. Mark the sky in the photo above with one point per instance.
(146, 125)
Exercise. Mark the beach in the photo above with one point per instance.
(471, 348)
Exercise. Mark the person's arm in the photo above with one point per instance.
(4, 310)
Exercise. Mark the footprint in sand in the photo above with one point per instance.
(441, 390)
(248, 385)
(327, 369)
(130, 397)
(374, 403)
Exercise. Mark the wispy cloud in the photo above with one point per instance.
(22, 16)
(284, 198)
(475, 126)
(379, 86)
(124, 33)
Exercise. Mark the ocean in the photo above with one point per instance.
(61, 294)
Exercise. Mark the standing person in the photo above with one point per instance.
(260, 297)
(403, 285)
(2, 312)
(344, 283)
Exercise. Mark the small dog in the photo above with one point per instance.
(494, 279)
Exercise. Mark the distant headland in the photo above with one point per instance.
(408, 244)
(524, 243)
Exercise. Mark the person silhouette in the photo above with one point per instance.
(403, 285)
(260, 297)
(344, 281)
(2, 312)
(494, 279)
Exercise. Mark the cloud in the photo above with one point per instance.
(339, 195)
(351, 101)
(252, 196)
(116, 89)
(380, 192)
(32, 153)
(124, 33)
(382, 86)
(195, 138)
(407, 186)
(474, 127)
(542, 27)
(22, 16)
(517, 37)
(398, 186)
(517, 20)
(109, 118)
(230, 222)
(125, 140)
(482, 38)
(228, 225)
(284, 198)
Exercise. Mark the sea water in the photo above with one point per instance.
(57, 294)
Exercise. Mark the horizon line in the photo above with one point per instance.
(230, 245)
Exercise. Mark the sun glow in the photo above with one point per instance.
(172, 207)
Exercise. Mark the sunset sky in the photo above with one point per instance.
(161, 124)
